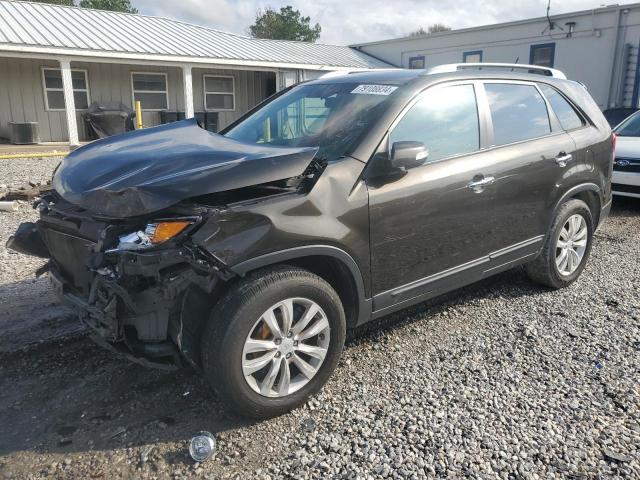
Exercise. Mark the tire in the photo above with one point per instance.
(233, 320)
(544, 269)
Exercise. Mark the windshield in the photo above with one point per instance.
(329, 116)
(630, 127)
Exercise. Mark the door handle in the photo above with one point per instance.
(478, 185)
(563, 158)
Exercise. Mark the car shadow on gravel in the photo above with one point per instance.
(72, 396)
(69, 395)
(511, 284)
(625, 207)
(30, 313)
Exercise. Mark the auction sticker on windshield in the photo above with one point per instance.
(374, 89)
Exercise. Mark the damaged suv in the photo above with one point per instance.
(248, 254)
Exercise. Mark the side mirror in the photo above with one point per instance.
(408, 154)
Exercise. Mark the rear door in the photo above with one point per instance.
(581, 131)
(530, 154)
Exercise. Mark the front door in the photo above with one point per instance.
(432, 224)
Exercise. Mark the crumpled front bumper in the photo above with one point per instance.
(149, 303)
(99, 313)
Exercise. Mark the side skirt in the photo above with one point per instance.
(434, 285)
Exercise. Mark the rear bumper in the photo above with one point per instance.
(626, 178)
(626, 184)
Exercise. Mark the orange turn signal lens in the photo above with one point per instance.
(164, 231)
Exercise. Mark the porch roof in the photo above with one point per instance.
(33, 28)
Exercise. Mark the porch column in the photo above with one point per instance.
(187, 81)
(69, 103)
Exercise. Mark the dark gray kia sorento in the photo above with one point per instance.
(249, 253)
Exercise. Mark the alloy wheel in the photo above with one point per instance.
(285, 347)
(571, 244)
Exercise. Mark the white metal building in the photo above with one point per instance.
(56, 60)
(597, 47)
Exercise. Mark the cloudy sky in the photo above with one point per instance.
(352, 21)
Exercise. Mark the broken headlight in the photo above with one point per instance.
(153, 234)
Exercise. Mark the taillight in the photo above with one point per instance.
(614, 139)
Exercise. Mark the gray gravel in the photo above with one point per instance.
(502, 379)
(26, 303)
(16, 173)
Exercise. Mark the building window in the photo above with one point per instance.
(219, 94)
(472, 57)
(54, 92)
(542, 54)
(416, 62)
(150, 89)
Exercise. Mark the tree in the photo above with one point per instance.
(438, 27)
(288, 24)
(434, 28)
(68, 3)
(112, 5)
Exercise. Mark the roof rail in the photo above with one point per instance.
(336, 73)
(339, 73)
(454, 67)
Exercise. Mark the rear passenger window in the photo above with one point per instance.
(445, 120)
(567, 116)
(518, 112)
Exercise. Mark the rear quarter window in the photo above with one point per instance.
(518, 112)
(567, 116)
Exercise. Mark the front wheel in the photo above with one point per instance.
(566, 247)
(273, 340)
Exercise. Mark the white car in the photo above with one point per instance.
(626, 167)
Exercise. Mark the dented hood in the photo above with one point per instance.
(147, 170)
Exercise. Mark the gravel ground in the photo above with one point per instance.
(26, 303)
(502, 379)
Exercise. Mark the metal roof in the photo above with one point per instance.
(54, 29)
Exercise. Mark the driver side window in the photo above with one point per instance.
(445, 120)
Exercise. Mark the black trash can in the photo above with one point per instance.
(168, 116)
(211, 121)
(201, 118)
(24, 133)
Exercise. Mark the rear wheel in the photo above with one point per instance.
(566, 248)
(273, 340)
